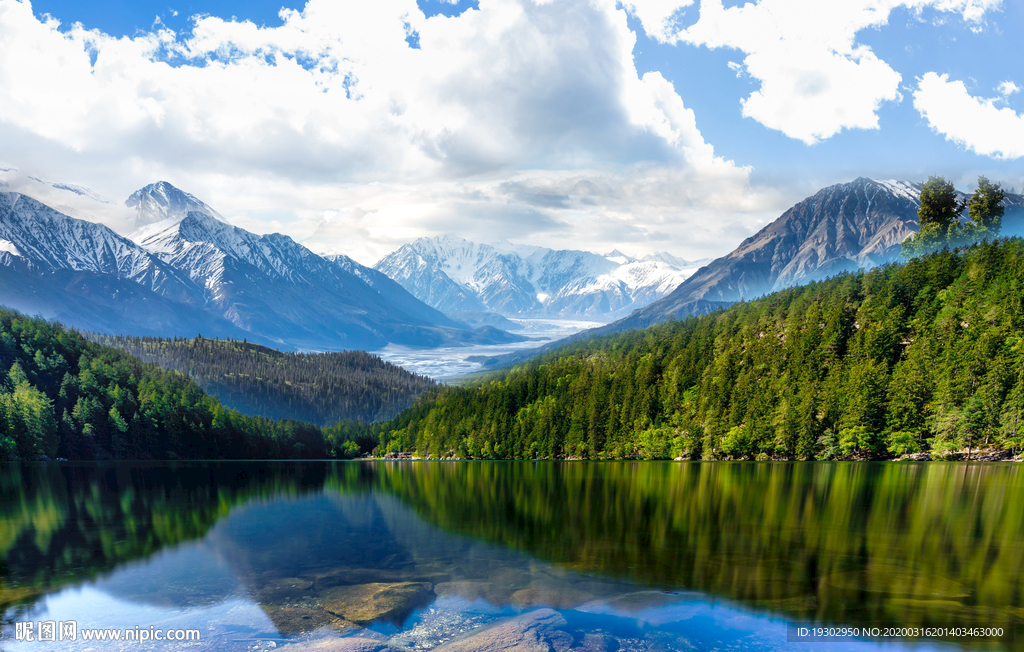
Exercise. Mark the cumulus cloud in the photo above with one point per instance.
(333, 110)
(816, 80)
(337, 90)
(1008, 88)
(972, 122)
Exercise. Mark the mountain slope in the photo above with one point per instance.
(85, 275)
(455, 275)
(320, 388)
(76, 399)
(271, 285)
(840, 228)
(48, 241)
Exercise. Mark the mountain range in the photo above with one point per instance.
(184, 271)
(840, 228)
(459, 276)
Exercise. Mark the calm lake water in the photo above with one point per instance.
(588, 556)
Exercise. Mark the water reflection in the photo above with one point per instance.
(631, 556)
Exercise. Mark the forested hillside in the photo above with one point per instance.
(321, 388)
(62, 395)
(926, 356)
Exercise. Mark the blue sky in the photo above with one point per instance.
(355, 127)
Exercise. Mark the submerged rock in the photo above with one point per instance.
(340, 645)
(365, 603)
(597, 643)
(346, 576)
(550, 593)
(292, 620)
(473, 590)
(282, 589)
(537, 631)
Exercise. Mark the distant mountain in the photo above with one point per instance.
(84, 274)
(458, 276)
(840, 228)
(320, 388)
(191, 272)
(160, 201)
(70, 199)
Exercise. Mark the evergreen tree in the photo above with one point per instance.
(938, 217)
(985, 210)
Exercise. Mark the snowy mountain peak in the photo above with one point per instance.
(456, 275)
(48, 241)
(903, 189)
(160, 201)
(617, 256)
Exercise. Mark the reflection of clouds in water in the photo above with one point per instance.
(446, 363)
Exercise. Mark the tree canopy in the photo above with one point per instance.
(321, 388)
(939, 216)
(62, 395)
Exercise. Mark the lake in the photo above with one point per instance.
(448, 363)
(564, 556)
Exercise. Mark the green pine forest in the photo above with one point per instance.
(321, 388)
(925, 356)
(64, 396)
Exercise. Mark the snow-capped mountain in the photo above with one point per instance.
(45, 240)
(840, 228)
(192, 273)
(455, 275)
(160, 201)
(272, 285)
(85, 275)
(69, 198)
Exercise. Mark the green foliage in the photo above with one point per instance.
(939, 203)
(321, 388)
(918, 357)
(939, 216)
(69, 397)
(984, 207)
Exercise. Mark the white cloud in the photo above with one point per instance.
(337, 90)
(1008, 88)
(334, 111)
(973, 122)
(816, 80)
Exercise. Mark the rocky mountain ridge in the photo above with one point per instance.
(455, 275)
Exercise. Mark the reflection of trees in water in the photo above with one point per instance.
(63, 524)
(892, 543)
(898, 543)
